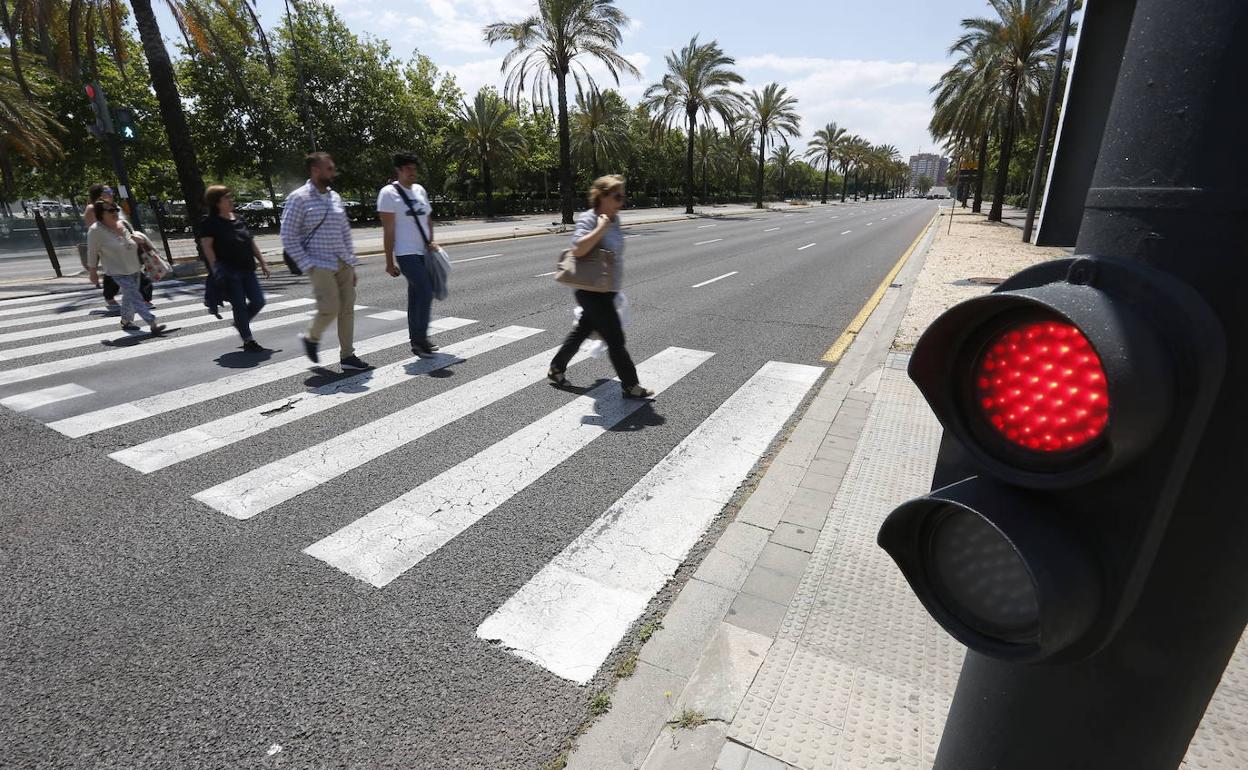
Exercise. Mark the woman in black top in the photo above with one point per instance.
(233, 257)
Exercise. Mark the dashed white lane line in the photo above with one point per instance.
(847, 232)
(803, 248)
(703, 227)
(474, 259)
(703, 243)
(808, 222)
(769, 229)
(870, 223)
(546, 275)
(633, 235)
(389, 315)
(713, 280)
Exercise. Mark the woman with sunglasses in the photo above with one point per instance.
(102, 192)
(599, 228)
(109, 244)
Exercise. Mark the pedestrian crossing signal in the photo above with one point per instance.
(123, 119)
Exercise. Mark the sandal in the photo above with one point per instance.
(638, 392)
(556, 377)
(127, 326)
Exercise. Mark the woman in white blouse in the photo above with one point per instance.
(109, 244)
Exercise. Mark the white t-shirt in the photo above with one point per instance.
(406, 239)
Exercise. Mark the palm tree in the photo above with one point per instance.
(1022, 35)
(704, 147)
(968, 101)
(884, 156)
(28, 129)
(782, 158)
(487, 132)
(773, 115)
(740, 151)
(599, 128)
(857, 153)
(698, 80)
(823, 149)
(549, 45)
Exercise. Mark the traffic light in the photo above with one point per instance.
(103, 123)
(123, 120)
(1073, 398)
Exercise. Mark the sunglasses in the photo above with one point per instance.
(113, 210)
(619, 196)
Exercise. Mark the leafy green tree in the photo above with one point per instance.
(435, 100)
(923, 185)
(782, 159)
(824, 149)
(549, 45)
(773, 114)
(488, 133)
(740, 148)
(599, 128)
(698, 81)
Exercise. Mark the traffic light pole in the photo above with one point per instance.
(123, 179)
(1166, 194)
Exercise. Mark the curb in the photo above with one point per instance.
(695, 670)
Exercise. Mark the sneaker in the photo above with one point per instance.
(354, 363)
(156, 329)
(251, 346)
(638, 392)
(556, 377)
(309, 348)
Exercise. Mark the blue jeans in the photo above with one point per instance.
(246, 298)
(419, 295)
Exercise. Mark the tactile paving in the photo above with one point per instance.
(799, 740)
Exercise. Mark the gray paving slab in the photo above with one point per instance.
(728, 666)
(796, 537)
(804, 516)
(621, 739)
(687, 627)
(683, 748)
(776, 573)
(756, 614)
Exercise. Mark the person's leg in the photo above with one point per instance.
(255, 295)
(132, 299)
(345, 280)
(110, 290)
(419, 296)
(232, 284)
(145, 287)
(325, 289)
(606, 321)
(578, 335)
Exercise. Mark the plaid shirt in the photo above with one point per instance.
(331, 241)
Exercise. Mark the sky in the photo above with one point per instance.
(865, 64)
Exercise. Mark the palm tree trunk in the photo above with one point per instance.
(827, 168)
(488, 181)
(844, 180)
(693, 121)
(160, 69)
(565, 150)
(978, 205)
(593, 159)
(762, 144)
(1007, 149)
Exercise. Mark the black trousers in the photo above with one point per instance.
(598, 314)
(111, 288)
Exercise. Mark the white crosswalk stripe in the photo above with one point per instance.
(395, 537)
(56, 346)
(47, 329)
(77, 293)
(24, 402)
(80, 305)
(262, 488)
(148, 348)
(570, 615)
(177, 447)
(141, 409)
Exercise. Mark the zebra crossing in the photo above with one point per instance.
(572, 612)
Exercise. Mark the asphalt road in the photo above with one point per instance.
(141, 628)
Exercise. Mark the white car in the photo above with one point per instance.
(261, 205)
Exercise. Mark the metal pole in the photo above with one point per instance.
(160, 224)
(303, 86)
(1166, 192)
(47, 243)
(1037, 173)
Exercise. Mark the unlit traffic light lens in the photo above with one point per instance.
(1042, 387)
(980, 577)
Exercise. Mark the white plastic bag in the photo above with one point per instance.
(594, 346)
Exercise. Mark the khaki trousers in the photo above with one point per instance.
(335, 299)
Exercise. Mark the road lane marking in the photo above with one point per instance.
(24, 402)
(385, 543)
(855, 326)
(178, 447)
(545, 275)
(703, 243)
(808, 221)
(803, 248)
(474, 259)
(847, 232)
(51, 327)
(261, 488)
(141, 409)
(60, 297)
(389, 315)
(769, 229)
(571, 615)
(870, 223)
(713, 280)
(70, 307)
(702, 227)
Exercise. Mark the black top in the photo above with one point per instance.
(231, 242)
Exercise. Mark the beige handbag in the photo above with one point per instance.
(593, 272)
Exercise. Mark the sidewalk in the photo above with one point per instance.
(796, 643)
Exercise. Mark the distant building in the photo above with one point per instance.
(930, 165)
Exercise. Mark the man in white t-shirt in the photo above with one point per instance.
(407, 236)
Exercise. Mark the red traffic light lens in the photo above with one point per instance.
(1042, 387)
(90, 91)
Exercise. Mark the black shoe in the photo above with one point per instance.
(309, 348)
(251, 346)
(556, 377)
(638, 392)
(424, 350)
(432, 348)
(353, 363)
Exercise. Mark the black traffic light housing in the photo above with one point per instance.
(1039, 555)
(102, 120)
(124, 123)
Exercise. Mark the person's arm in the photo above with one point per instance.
(93, 254)
(264, 267)
(294, 214)
(387, 217)
(88, 215)
(586, 243)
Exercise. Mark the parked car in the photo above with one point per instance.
(257, 205)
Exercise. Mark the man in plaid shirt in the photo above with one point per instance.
(317, 235)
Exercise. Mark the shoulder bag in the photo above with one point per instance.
(593, 272)
(436, 263)
(291, 264)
